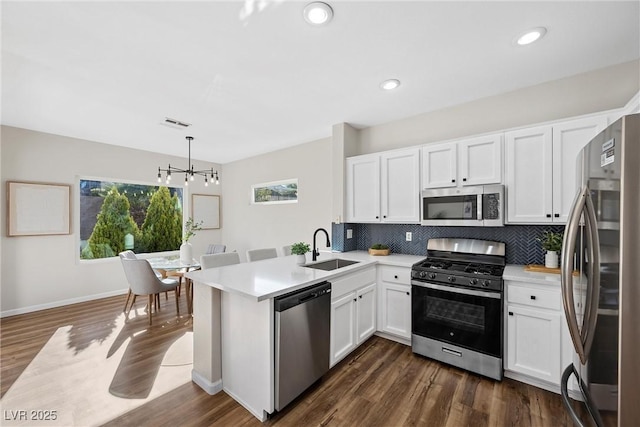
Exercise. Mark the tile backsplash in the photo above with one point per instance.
(520, 240)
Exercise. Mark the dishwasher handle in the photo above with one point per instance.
(301, 296)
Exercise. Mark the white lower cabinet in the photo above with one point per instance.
(353, 312)
(537, 344)
(394, 301)
(533, 338)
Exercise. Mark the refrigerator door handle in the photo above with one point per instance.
(568, 248)
(593, 284)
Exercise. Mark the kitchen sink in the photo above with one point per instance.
(332, 264)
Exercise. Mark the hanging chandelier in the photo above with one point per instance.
(189, 174)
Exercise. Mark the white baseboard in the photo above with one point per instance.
(395, 338)
(61, 303)
(205, 384)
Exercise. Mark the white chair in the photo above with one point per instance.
(219, 260)
(216, 249)
(143, 281)
(258, 254)
(286, 250)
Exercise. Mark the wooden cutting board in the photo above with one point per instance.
(536, 268)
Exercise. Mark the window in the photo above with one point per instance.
(117, 216)
(275, 192)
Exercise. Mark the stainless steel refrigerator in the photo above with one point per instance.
(602, 303)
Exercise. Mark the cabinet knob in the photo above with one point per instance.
(360, 297)
(548, 215)
(556, 215)
(464, 179)
(355, 300)
(377, 217)
(533, 297)
(511, 313)
(408, 293)
(453, 180)
(395, 277)
(384, 216)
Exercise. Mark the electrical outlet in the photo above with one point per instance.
(408, 236)
(349, 233)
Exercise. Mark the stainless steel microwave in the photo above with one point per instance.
(478, 206)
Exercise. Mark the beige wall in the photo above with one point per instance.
(44, 271)
(247, 226)
(586, 93)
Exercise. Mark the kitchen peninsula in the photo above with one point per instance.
(233, 320)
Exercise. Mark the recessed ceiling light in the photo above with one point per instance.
(318, 13)
(531, 36)
(390, 84)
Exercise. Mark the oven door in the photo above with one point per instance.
(467, 318)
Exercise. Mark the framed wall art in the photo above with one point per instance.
(35, 209)
(206, 208)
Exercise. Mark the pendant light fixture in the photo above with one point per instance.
(189, 174)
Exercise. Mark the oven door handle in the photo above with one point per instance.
(454, 290)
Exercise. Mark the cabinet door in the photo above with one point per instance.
(568, 139)
(366, 312)
(533, 343)
(363, 188)
(401, 186)
(480, 160)
(395, 305)
(439, 163)
(529, 174)
(343, 321)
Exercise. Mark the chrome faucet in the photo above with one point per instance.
(315, 251)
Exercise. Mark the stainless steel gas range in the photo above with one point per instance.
(457, 304)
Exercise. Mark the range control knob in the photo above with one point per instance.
(485, 283)
(451, 279)
(473, 281)
(432, 276)
(423, 274)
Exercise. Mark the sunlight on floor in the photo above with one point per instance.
(82, 386)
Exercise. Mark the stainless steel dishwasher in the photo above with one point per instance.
(302, 339)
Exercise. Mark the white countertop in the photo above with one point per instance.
(270, 278)
(517, 273)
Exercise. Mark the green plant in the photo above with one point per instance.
(190, 228)
(551, 241)
(300, 248)
(379, 246)
(162, 227)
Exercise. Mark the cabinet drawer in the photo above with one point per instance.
(352, 281)
(392, 274)
(534, 297)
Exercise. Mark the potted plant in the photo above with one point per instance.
(186, 251)
(300, 249)
(379, 249)
(552, 243)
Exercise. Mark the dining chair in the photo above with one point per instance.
(258, 254)
(143, 281)
(286, 250)
(216, 249)
(219, 260)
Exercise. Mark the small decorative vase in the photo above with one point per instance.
(301, 259)
(186, 253)
(551, 259)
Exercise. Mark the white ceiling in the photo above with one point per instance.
(253, 76)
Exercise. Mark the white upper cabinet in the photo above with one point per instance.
(474, 161)
(384, 187)
(363, 188)
(439, 165)
(541, 169)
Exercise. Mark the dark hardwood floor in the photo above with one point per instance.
(382, 383)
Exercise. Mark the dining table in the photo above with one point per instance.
(174, 266)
